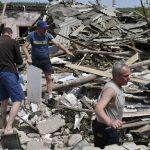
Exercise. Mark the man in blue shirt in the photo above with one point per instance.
(39, 41)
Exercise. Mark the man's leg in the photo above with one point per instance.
(112, 136)
(48, 70)
(98, 132)
(3, 110)
(49, 81)
(4, 96)
(16, 94)
(12, 116)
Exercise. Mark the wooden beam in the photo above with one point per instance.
(104, 52)
(74, 83)
(132, 59)
(136, 114)
(101, 73)
(139, 64)
(135, 124)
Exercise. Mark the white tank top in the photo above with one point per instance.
(114, 109)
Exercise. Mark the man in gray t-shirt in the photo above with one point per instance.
(109, 108)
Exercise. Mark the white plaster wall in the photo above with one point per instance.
(24, 19)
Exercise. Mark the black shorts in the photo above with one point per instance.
(103, 136)
(45, 65)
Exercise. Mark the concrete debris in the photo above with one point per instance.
(35, 145)
(80, 145)
(97, 36)
(74, 139)
(52, 124)
(116, 147)
(131, 146)
(90, 148)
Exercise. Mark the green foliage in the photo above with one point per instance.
(1, 3)
(126, 10)
(136, 9)
(139, 10)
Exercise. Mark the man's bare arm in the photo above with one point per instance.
(26, 52)
(106, 97)
(60, 46)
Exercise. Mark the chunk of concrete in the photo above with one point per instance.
(90, 148)
(114, 147)
(131, 146)
(51, 125)
(35, 145)
(74, 139)
(80, 145)
(23, 137)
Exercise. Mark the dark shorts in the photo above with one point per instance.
(103, 136)
(10, 87)
(45, 65)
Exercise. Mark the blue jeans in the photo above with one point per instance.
(10, 87)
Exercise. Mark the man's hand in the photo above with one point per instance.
(29, 61)
(116, 124)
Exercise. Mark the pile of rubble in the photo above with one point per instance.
(98, 36)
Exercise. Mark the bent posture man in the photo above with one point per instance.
(10, 56)
(109, 109)
(39, 41)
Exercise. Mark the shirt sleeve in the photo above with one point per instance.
(17, 54)
(49, 36)
(29, 37)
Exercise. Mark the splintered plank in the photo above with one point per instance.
(136, 114)
(89, 70)
(132, 59)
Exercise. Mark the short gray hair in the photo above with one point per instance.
(117, 67)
